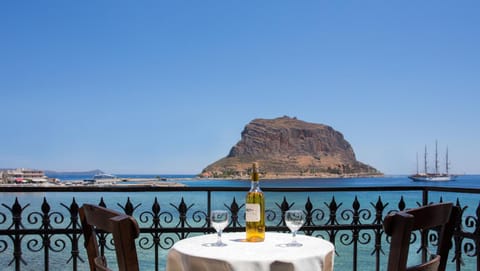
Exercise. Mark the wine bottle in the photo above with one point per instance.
(255, 209)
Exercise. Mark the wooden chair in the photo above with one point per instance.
(399, 225)
(124, 230)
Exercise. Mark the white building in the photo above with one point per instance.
(23, 175)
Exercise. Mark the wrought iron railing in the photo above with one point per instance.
(46, 234)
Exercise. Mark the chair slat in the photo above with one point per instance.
(124, 230)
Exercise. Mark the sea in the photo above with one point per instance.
(196, 201)
(462, 181)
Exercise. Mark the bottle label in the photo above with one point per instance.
(252, 213)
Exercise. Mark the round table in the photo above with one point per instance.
(197, 254)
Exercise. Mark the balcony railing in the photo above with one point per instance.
(39, 227)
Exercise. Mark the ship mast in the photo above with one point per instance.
(417, 163)
(425, 159)
(446, 161)
(436, 158)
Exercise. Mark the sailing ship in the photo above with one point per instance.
(433, 176)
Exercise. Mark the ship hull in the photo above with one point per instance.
(432, 178)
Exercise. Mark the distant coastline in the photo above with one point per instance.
(79, 185)
(149, 183)
(83, 180)
(293, 177)
(82, 175)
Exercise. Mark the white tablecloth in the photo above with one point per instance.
(196, 254)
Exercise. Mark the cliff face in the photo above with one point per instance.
(287, 147)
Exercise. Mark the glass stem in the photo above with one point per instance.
(219, 237)
(294, 233)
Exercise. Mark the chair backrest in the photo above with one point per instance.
(124, 230)
(399, 225)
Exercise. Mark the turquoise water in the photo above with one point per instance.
(198, 203)
(465, 181)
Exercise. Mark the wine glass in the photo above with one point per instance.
(219, 220)
(294, 220)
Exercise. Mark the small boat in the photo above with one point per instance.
(104, 176)
(434, 176)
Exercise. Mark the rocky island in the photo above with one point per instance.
(286, 147)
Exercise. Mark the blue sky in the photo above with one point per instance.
(168, 86)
